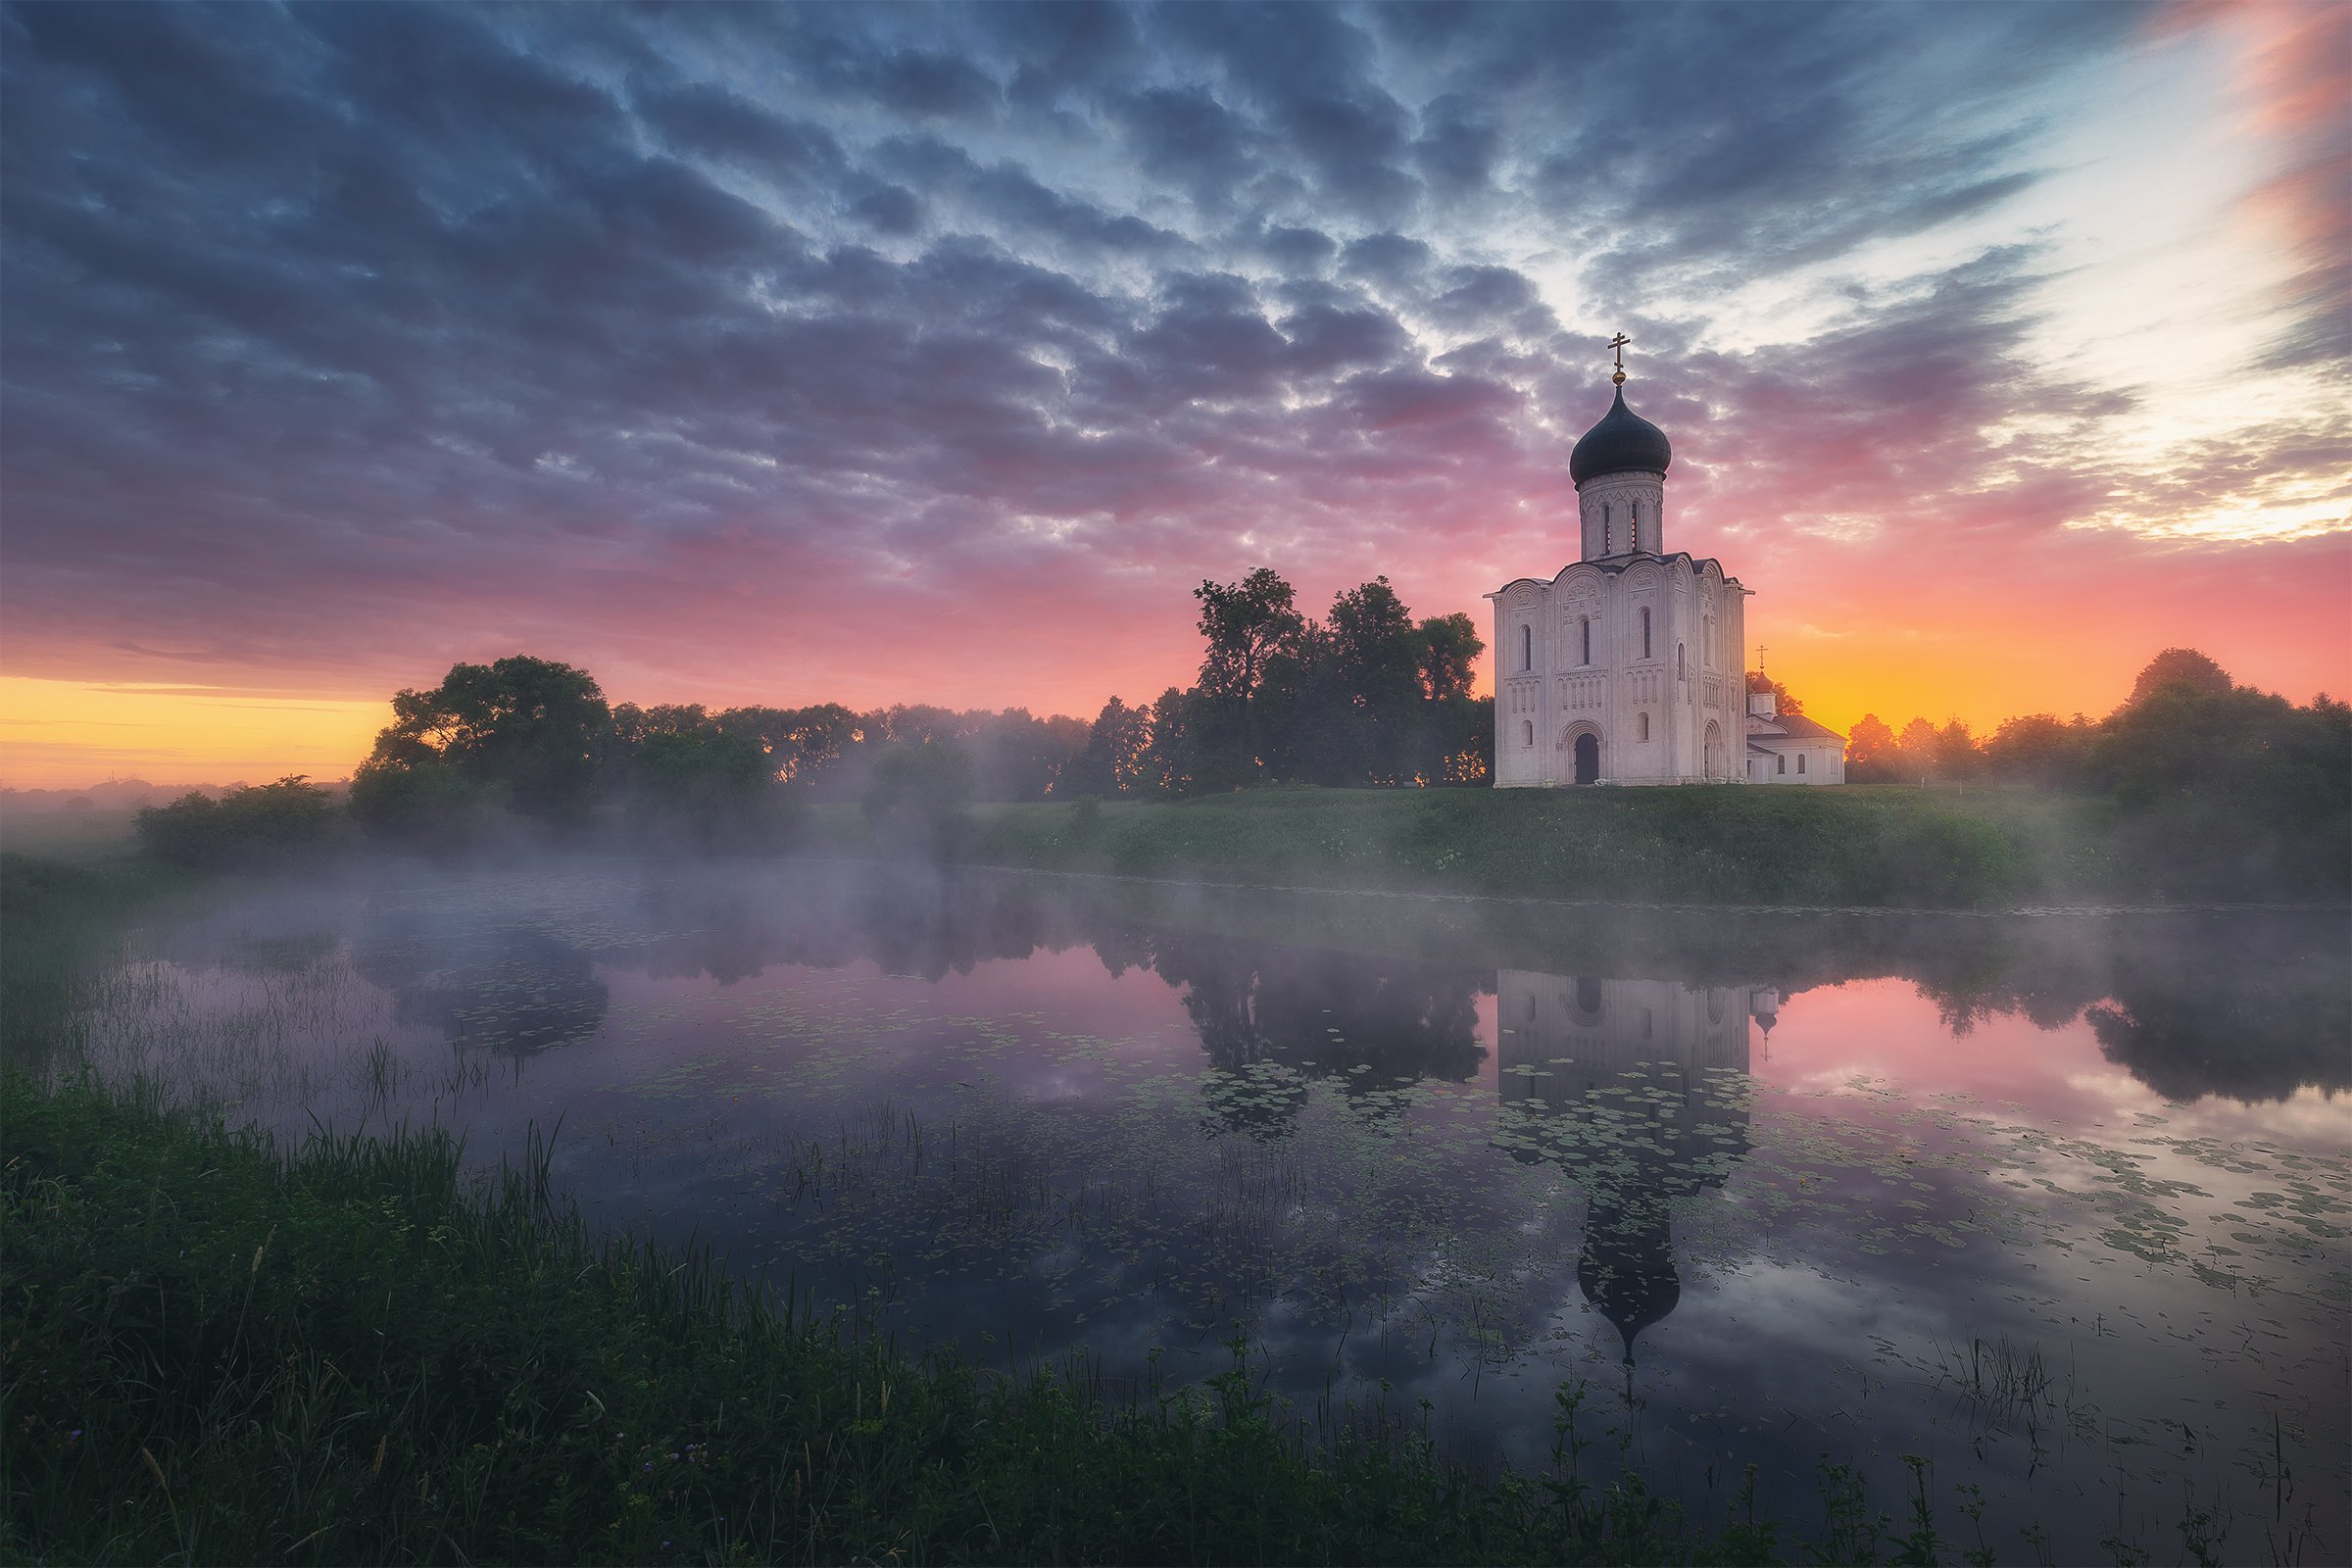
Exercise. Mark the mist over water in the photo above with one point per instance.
(2057, 1204)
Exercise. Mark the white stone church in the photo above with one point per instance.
(1630, 665)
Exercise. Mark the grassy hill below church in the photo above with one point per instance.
(1880, 847)
(1875, 845)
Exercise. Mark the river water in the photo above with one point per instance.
(2057, 1204)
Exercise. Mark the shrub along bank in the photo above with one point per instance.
(211, 1351)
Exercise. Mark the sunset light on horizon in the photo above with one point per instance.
(882, 355)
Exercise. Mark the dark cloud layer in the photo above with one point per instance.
(782, 353)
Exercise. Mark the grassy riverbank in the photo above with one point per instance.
(215, 1352)
(1882, 846)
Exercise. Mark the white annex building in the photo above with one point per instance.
(1630, 665)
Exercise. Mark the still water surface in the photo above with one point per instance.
(2058, 1204)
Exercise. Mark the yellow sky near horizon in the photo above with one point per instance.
(66, 734)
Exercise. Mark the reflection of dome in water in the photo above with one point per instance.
(1626, 1270)
(1631, 1087)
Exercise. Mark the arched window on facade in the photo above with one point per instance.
(1800, 761)
(1527, 647)
(1780, 764)
(1585, 627)
(1604, 528)
(1640, 726)
(1635, 542)
(1526, 732)
(1679, 672)
(1644, 631)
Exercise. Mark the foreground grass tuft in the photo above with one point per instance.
(212, 1351)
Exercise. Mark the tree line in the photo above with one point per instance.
(2186, 724)
(1366, 696)
(2193, 763)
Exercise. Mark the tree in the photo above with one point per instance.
(707, 784)
(1873, 753)
(247, 825)
(1117, 747)
(1249, 624)
(1955, 752)
(1369, 683)
(1450, 649)
(1916, 750)
(2180, 667)
(805, 746)
(918, 792)
(2235, 790)
(1171, 763)
(2040, 749)
(1246, 623)
(530, 727)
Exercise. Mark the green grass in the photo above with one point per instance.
(212, 1351)
(1818, 847)
(55, 919)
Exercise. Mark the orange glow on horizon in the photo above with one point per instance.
(64, 734)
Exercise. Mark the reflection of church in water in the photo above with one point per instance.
(1638, 1089)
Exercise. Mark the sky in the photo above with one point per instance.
(886, 354)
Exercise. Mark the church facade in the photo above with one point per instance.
(1630, 666)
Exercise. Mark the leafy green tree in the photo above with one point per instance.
(708, 785)
(249, 825)
(1916, 750)
(1171, 763)
(807, 746)
(531, 728)
(419, 798)
(1448, 655)
(1956, 755)
(2040, 749)
(1115, 761)
(2236, 791)
(1248, 624)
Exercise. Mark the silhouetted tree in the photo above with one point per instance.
(917, 793)
(1955, 752)
(248, 825)
(530, 727)
(1171, 763)
(2040, 749)
(2180, 667)
(708, 785)
(1448, 655)
(1247, 624)
(1117, 747)
(1873, 753)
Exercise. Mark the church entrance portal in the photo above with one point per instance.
(1588, 758)
(1714, 753)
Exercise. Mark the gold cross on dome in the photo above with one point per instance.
(1618, 343)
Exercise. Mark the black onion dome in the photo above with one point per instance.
(1623, 442)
